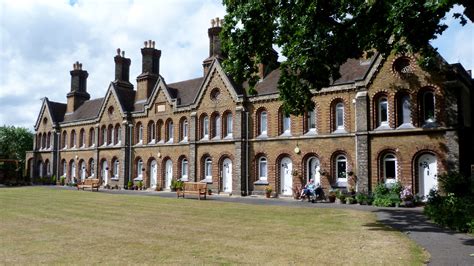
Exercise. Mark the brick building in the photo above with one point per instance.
(384, 120)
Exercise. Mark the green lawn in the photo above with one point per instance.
(43, 225)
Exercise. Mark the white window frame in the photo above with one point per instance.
(217, 126)
(170, 128)
(92, 136)
(286, 123)
(104, 136)
(139, 169)
(205, 127)
(73, 138)
(184, 170)
(64, 169)
(263, 123)
(229, 125)
(208, 168)
(405, 107)
(152, 130)
(390, 157)
(140, 134)
(263, 169)
(185, 130)
(339, 108)
(341, 181)
(311, 120)
(119, 135)
(383, 101)
(112, 136)
(426, 118)
(92, 168)
(116, 169)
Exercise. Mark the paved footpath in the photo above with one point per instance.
(445, 246)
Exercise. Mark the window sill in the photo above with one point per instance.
(184, 179)
(262, 136)
(261, 182)
(429, 124)
(406, 126)
(115, 179)
(311, 132)
(339, 131)
(383, 127)
(286, 134)
(206, 180)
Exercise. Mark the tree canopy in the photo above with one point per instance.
(14, 142)
(316, 37)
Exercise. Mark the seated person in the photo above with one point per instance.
(308, 189)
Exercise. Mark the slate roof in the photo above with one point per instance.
(57, 111)
(186, 90)
(88, 110)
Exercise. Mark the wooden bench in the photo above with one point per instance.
(89, 183)
(193, 188)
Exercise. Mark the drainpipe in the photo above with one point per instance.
(58, 161)
(246, 153)
(130, 126)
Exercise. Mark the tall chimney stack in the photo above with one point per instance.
(122, 70)
(214, 43)
(78, 94)
(150, 71)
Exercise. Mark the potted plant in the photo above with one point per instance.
(209, 192)
(140, 185)
(268, 191)
(341, 197)
(62, 180)
(130, 185)
(361, 198)
(332, 195)
(296, 192)
(407, 196)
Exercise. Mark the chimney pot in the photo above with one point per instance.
(153, 44)
(213, 22)
(123, 53)
(146, 44)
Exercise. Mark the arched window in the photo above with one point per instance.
(92, 137)
(44, 141)
(92, 167)
(116, 169)
(82, 169)
(216, 126)
(169, 131)
(64, 139)
(159, 126)
(341, 170)
(118, 134)
(262, 118)
(208, 168)
(184, 129)
(262, 169)
(339, 116)
(48, 141)
(228, 125)
(382, 114)
(48, 168)
(64, 168)
(111, 136)
(184, 169)
(404, 111)
(205, 127)
(140, 169)
(428, 107)
(139, 133)
(104, 135)
(389, 162)
(73, 139)
(286, 123)
(151, 132)
(310, 125)
(82, 138)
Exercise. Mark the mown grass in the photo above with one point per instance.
(43, 225)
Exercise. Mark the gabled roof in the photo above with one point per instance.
(88, 110)
(56, 111)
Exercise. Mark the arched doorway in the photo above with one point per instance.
(105, 172)
(168, 173)
(153, 174)
(312, 170)
(427, 174)
(82, 166)
(286, 180)
(73, 172)
(41, 169)
(227, 175)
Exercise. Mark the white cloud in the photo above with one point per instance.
(41, 39)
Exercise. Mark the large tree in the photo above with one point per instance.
(14, 142)
(316, 37)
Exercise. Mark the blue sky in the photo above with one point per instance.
(41, 39)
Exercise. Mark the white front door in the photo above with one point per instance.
(73, 172)
(83, 171)
(153, 173)
(227, 175)
(105, 173)
(427, 174)
(169, 174)
(286, 168)
(313, 170)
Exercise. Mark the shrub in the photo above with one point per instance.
(386, 197)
